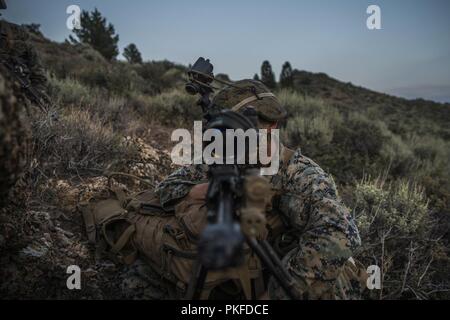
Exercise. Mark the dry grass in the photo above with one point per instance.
(79, 140)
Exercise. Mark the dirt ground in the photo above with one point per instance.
(36, 252)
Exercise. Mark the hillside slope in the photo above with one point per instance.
(389, 157)
(397, 112)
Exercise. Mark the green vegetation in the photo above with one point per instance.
(352, 132)
(95, 32)
(398, 235)
(286, 75)
(132, 54)
(267, 75)
(404, 216)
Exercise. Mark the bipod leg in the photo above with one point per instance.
(269, 258)
(197, 282)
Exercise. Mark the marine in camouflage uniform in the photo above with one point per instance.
(318, 235)
(15, 132)
(15, 49)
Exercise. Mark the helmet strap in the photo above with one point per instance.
(259, 96)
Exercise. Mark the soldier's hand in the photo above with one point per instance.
(198, 192)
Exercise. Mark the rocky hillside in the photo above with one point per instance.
(388, 155)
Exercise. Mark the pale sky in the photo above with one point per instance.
(409, 56)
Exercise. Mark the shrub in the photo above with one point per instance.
(67, 92)
(365, 137)
(430, 153)
(311, 123)
(311, 134)
(161, 75)
(395, 227)
(173, 108)
(79, 140)
(299, 104)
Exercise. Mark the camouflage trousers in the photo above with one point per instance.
(348, 285)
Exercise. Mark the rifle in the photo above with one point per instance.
(233, 189)
(18, 71)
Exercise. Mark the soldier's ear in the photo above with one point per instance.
(273, 125)
(264, 124)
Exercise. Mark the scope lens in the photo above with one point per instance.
(191, 88)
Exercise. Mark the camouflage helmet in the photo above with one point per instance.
(246, 93)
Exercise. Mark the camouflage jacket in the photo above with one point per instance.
(309, 207)
(15, 47)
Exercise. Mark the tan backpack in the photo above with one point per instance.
(128, 226)
(135, 225)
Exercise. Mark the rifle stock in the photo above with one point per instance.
(16, 69)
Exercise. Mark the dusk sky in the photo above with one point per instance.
(409, 56)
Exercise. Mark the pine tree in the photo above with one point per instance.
(132, 54)
(256, 77)
(267, 75)
(286, 75)
(97, 33)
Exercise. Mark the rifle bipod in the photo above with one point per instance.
(268, 257)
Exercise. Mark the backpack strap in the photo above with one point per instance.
(124, 239)
(89, 221)
(120, 195)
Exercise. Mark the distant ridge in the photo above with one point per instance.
(351, 97)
